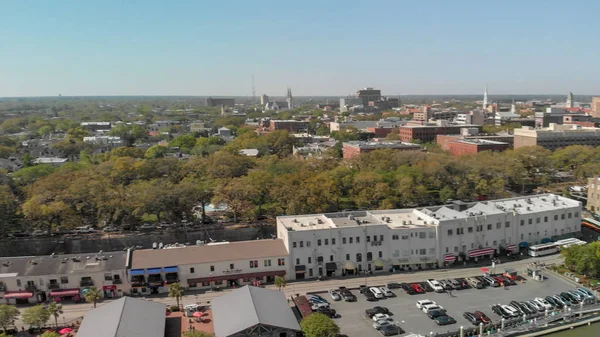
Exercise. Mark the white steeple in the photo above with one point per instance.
(570, 101)
(485, 98)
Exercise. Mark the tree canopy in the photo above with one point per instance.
(319, 325)
(584, 259)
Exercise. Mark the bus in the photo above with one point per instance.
(591, 223)
(569, 242)
(543, 249)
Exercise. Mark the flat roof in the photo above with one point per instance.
(229, 251)
(481, 141)
(383, 145)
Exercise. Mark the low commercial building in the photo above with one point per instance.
(219, 264)
(62, 277)
(378, 240)
(557, 136)
(427, 132)
(476, 117)
(55, 161)
(104, 140)
(97, 126)
(356, 148)
(212, 102)
(458, 145)
(290, 125)
(253, 311)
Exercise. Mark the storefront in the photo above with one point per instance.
(18, 297)
(110, 291)
(330, 268)
(155, 281)
(449, 258)
(350, 268)
(300, 272)
(66, 295)
(234, 280)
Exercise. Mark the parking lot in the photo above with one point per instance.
(352, 320)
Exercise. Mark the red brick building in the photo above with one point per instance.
(380, 132)
(356, 148)
(426, 133)
(461, 146)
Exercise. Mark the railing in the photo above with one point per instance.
(53, 286)
(86, 283)
(31, 287)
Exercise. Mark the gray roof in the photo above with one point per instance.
(63, 264)
(249, 306)
(125, 317)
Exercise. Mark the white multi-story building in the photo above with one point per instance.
(350, 242)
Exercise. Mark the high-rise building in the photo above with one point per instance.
(367, 95)
(290, 100)
(595, 107)
(264, 99)
(230, 102)
(485, 98)
(570, 101)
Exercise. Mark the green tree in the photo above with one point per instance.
(9, 206)
(77, 133)
(280, 282)
(319, 325)
(6, 151)
(5, 334)
(8, 315)
(36, 316)
(184, 142)
(55, 310)
(176, 291)
(584, 259)
(155, 151)
(93, 295)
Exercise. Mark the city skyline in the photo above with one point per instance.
(191, 49)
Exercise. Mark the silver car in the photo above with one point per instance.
(335, 295)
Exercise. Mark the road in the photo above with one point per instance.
(74, 311)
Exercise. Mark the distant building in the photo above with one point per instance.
(55, 161)
(595, 107)
(464, 146)
(290, 99)
(197, 127)
(224, 132)
(356, 148)
(264, 99)
(292, 126)
(249, 152)
(97, 126)
(271, 106)
(485, 99)
(104, 140)
(570, 100)
(593, 194)
(472, 117)
(367, 95)
(444, 140)
(228, 102)
(427, 132)
(557, 136)
(424, 115)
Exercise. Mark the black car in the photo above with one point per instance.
(426, 286)
(408, 288)
(331, 313)
(444, 320)
(509, 281)
(393, 285)
(377, 310)
(370, 296)
(463, 283)
(554, 302)
(391, 330)
(569, 297)
(363, 289)
(436, 313)
(501, 312)
(347, 295)
(522, 310)
(527, 308)
(469, 316)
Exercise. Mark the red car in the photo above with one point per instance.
(482, 317)
(417, 287)
(500, 279)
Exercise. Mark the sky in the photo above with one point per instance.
(321, 48)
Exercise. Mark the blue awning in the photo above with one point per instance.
(524, 244)
(154, 271)
(546, 240)
(135, 272)
(171, 269)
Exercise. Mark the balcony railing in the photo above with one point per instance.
(86, 283)
(53, 286)
(172, 280)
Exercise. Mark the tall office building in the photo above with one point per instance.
(367, 95)
(264, 99)
(290, 100)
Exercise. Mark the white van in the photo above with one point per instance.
(376, 292)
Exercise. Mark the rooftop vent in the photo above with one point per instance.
(33, 262)
(6, 263)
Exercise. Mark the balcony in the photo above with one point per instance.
(30, 287)
(155, 281)
(53, 286)
(86, 283)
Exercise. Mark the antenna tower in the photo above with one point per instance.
(253, 89)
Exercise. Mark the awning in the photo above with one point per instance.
(111, 287)
(171, 269)
(300, 268)
(449, 258)
(485, 270)
(349, 265)
(237, 276)
(481, 252)
(18, 294)
(524, 244)
(134, 272)
(64, 292)
(379, 263)
(399, 262)
(154, 271)
(511, 247)
(330, 266)
(546, 240)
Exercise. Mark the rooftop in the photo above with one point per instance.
(383, 145)
(50, 160)
(480, 141)
(221, 251)
(427, 216)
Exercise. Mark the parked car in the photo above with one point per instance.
(316, 298)
(329, 312)
(475, 283)
(491, 282)
(498, 310)
(437, 287)
(510, 310)
(391, 330)
(579, 296)
(377, 310)
(509, 281)
(569, 297)
(469, 316)
(394, 285)
(408, 288)
(386, 292)
(380, 324)
(463, 283)
(538, 306)
(39, 232)
(428, 307)
(426, 286)
(334, 294)
(447, 285)
(422, 303)
(362, 289)
(315, 306)
(436, 313)
(376, 292)
(587, 292)
(528, 308)
(110, 229)
(369, 296)
(560, 300)
(380, 316)
(418, 289)
(544, 303)
(84, 230)
(444, 320)
(482, 317)
(457, 285)
(554, 302)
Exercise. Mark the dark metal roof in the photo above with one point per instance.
(125, 317)
(63, 264)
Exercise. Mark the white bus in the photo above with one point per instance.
(569, 242)
(543, 249)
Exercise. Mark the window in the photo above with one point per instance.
(218, 283)
(63, 280)
(326, 242)
(537, 220)
(530, 221)
(555, 216)
(297, 261)
(192, 270)
(307, 243)
(577, 214)
(368, 238)
(358, 239)
(569, 215)
(343, 241)
(294, 244)
(231, 266)
(521, 236)
(381, 238)
(562, 216)
(333, 241)
(470, 229)
(422, 235)
(309, 260)
(522, 222)
(489, 226)
(405, 236)
(359, 257)
(267, 263)
(480, 228)
(507, 224)
(310, 272)
(330, 258)
(318, 242)
(545, 219)
(460, 231)
(380, 254)
(205, 284)
(432, 235)
(449, 232)
(281, 262)
(395, 237)
(107, 277)
(212, 268)
(350, 240)
(251, 264)
(456, 248)
(422, 251)
(301, 244)
(494, 243)
(347, 257)
(447, 249)
(369, 256)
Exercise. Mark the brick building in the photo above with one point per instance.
(289, 125)
(443, 140)
(355, 148)
(459, 147)
(426, 133)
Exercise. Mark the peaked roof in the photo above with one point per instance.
(125, 317)
(248, 306)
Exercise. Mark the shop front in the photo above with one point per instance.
(330, 268)
(110, 291)
(235, 280)
(300, 272)
(66, 295)
(19, 297)
(155, 280)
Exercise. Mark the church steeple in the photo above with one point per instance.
(485, 98)
(290, 100)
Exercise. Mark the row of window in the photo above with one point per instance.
(345, 240)
(253, 264)
(358, 257)
(65, 280)
(420, 235)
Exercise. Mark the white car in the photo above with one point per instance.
(510, 310)
(380, 324)
(386, 292)
(428, 307)
(421, 303)
(39, 232)
(84, 229)
(382, 317)
(543, 302)
(437, 286)
(376, 292)
(334, 295)
(316, 306)
(538, 306)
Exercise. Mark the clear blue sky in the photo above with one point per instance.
(326, 47)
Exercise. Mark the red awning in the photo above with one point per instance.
(449, 258)
(481, 252)
(18, 294)
(511, 247)
(236, 276)
(485, 270)
(111, 287)
(65, 292)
